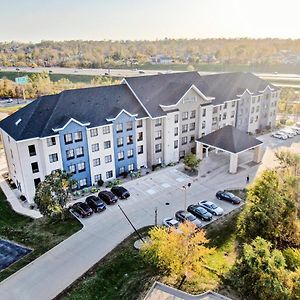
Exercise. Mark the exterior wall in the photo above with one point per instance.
(142, 159)
(243, 112)
(254, 120)
(104, 167)
(123, 119)
(72, 128)
(227, 114)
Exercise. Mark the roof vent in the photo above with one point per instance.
(18, 122)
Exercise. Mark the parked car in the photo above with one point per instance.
(212, 207)
(141, 72)
(199, 212)
(288, 133)
(170, 222)
(82, 209)
(183, 216)
(108, 197)
(120, 192)
(295, 129)
(280, 136)
(95, 203)
(227, 196)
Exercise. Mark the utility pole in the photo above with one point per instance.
(184, 189)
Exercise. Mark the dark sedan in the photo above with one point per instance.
(108, 197)
(82, 209)
(95, 203)
(227, 196)
(120, 192)
(200, 212)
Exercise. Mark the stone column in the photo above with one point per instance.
(199, 150)
(206, 151)
(257, 155)
(233, 163)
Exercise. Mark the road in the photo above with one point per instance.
(52, 272)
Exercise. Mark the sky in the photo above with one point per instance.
(36, 20)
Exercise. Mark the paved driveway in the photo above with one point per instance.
(51, 273)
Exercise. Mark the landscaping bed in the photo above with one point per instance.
(40, 235)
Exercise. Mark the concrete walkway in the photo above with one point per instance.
(54, 271)
(15, 202)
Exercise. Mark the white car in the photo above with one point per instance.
(288, 133)
(295, 129)
(170, 222)
(212, 207)
(278, 135)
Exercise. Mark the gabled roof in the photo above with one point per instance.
(89, 105)
(165, 89)
(230, 139)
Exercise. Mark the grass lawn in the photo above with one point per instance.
(39, 235)
(123, 274)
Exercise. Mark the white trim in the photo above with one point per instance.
(267, 87)
(246, 91)
(125, 81)
(122, 111)
(70, 120)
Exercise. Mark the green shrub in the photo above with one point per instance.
(289, 122)
(292, 258)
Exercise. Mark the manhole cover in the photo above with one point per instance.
(167, 203)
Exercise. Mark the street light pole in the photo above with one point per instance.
(184, 188)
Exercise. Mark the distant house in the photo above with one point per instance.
(161, 59)
(209, 58)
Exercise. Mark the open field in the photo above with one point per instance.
(39, 235)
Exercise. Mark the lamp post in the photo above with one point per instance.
(184, 189)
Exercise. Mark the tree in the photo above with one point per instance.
(181, 253)
(191, 161)
(270, 211)
(260, 273)
(53, 193)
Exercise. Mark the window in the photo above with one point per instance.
(109, 174)
(140, 149)
(224, 116)
(79, 152)
(70, 154)
(106, 130)
(192, 126)
(95, 147)
(204, 112)
(193, 114)
(158, 122)
(107, 159)
(175, 131)
(251, 120)
(182, 154)
(78, 136)
(175, 144)
(130, 167)
(36, 182)
(252, 110)
(97, 177)
(119, 127)
(31, 149)
(53, 157)
(120, 142)
(158, 148)
(257, 109)
(184, 140)
(140, 136)
(256, 118)
(82, 182)
(139, 123)
(130, 153)
(94, 132)
(129, 140)
(72, 169)
(232, 114)
(96, 162)
(157, 134)
(192, 139)
(107, 144)
(121, 170)
(215, 110)
(258, 99)
(51, 141)
(129, 125)
(68, 138)
(185, 115)
(225, 105)
(253, 100)
(184, 128)
(35, 167)
(233, 104)
(175, 119)
(81, 166)
(121, 155)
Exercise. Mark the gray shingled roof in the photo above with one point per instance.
(230, 139)
(93, 105)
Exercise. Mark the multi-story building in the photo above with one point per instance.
(100, 133)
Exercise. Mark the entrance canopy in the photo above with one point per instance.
(231, 140)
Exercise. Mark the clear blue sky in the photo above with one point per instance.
(35, 20)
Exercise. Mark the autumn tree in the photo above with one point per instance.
(191, 161)
(53, 193)
(181, 252)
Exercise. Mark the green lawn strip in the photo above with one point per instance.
(40, 235)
